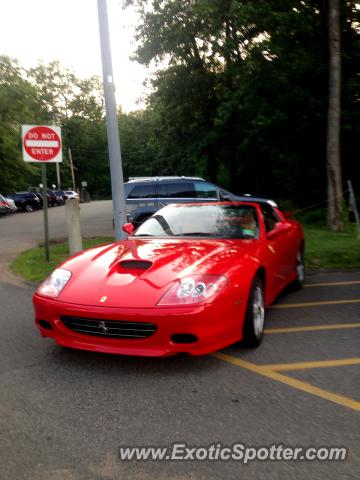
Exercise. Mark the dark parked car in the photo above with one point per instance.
(146, 195)
(26, 201)
(52, 199)
(61, 196)
(40, 197)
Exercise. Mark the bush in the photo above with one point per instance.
(313, 217)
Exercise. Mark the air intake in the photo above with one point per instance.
(135, 264)
(109, 328)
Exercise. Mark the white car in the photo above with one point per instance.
(70, 194)
(11, 204)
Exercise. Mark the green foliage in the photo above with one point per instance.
(63, 95)
(50, 94)
(240, 97)
(18, 105)
(241, 94)
(313, 217)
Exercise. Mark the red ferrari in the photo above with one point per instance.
(193, 278)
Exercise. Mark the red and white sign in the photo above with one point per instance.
(41, 144)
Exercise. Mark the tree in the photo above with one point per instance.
(239, 96)
(334, 177)
(18, 105)
(62, 94)
(77, 106)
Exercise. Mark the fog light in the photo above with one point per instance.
(184, 338)
(45, 325)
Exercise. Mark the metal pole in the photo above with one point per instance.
(72, 170)
(353, 207)
(57, 164)
(116, 171)
(58, 175)
(45, 207)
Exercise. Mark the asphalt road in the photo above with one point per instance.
(22, 231)
(64, 413)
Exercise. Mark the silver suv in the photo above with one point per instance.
(146, 195)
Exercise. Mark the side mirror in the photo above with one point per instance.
(128, 228)
(280, 227)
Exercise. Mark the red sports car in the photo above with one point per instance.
(193, 278)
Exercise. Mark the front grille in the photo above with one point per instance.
(109, 328)
(136, 264)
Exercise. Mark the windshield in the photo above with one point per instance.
(228, 221)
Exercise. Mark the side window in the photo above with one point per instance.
(205, 190)
(270, 217)
(162, 190)
(180, 190)
(142, 191)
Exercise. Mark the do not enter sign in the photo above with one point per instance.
(41, 144)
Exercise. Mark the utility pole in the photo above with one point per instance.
(45, 207)
(72, 170)
(57, 164)
(58, 176)
(116, 171)
(353, 207)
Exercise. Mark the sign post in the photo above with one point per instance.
(42, 144)
(45, 207)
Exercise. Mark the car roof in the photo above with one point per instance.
(162, 178)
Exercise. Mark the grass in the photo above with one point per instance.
(324, 249)
(331, 250)
(32, 266)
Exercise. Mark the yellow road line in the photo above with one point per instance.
(281, 367)
(291, 382)
(315, 304)
(310, 328)
(331, 284)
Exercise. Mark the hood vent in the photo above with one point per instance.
(135, 264)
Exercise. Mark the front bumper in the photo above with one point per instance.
(215, 325)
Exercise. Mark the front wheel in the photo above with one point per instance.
(300, 271)
(253, 331)
(28, 208)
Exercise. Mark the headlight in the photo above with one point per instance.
(54, 284)
(194, 289)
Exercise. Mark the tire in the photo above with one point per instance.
(300, 271)
(253, 330)
(28, 208)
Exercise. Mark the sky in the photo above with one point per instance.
(67, 30)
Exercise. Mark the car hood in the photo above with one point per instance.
(102, 277)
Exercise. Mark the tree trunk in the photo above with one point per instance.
(334, 182)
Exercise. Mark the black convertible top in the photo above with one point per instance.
(250, 198)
